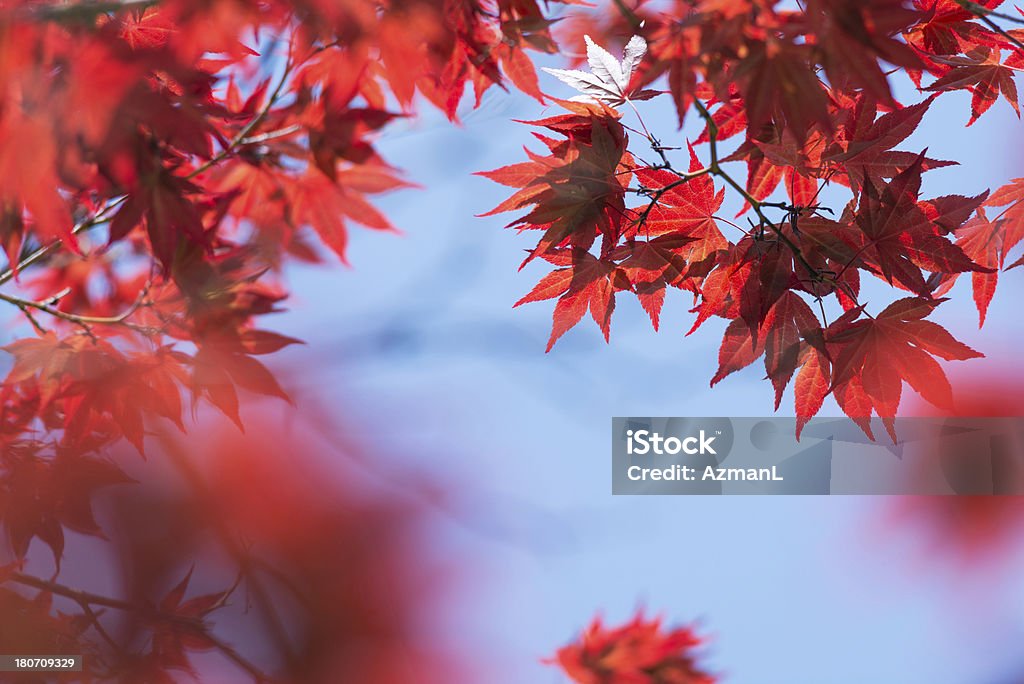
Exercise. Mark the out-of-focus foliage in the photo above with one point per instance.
(983, 525)
(241, 558)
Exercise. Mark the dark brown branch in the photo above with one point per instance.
(986, 15)
(76, 595)
(660, 192)
(714, 168)
(758, 206)
(85, 11)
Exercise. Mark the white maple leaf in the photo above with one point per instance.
(608, 80)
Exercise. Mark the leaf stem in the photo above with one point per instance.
(96, 219)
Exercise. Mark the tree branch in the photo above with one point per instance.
(85, 321)
(96, 219)
(88, 599)
(756, 205)
(240, 554)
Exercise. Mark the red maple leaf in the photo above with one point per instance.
(901, 237)
(682, 206)
(778, 84)
(650, 266)
(982, 72)
(872, 358)
(863, 149)
(585, 284)
(577, 191)
(989, 241)
(42, 496)
(639, 652)
(790, 337)
(947, 27)
(855, 35)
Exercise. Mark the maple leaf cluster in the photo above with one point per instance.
(164, 160)
(639, 652)
(805, 97)
(160, 163)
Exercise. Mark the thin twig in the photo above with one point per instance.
(84, 321)
(96, 219)
(981, 12)
(239, 553)
(243, 134)
(756, 205)
(1001, 31)
(271, 135)
(660, 192)
(91, 614)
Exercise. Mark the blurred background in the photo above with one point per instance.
(433, 363)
